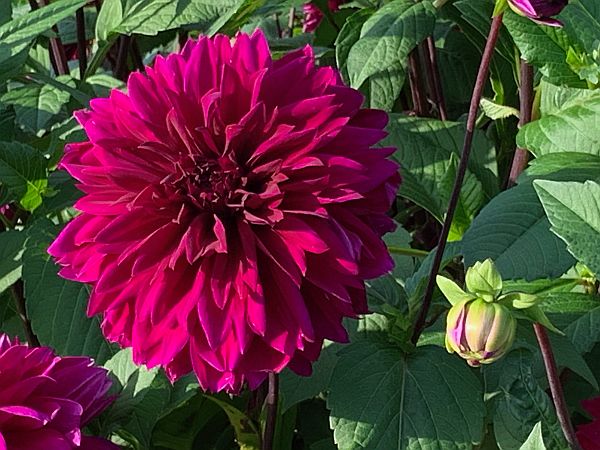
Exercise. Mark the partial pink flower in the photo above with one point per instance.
(234, 207)
(45, 400)
(313, 15)
(540, 11)
(588, 435)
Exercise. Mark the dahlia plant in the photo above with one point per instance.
(292, 224)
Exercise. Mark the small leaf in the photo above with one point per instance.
(535, 441)
(23, 173)
(535, 314)
(452, 291)
(484, 279)
(495, 111)
(520, 300)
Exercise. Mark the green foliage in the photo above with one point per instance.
(381, 390)
(382, 399)
(513, 230)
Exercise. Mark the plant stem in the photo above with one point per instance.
(408, 251)
(434, 78)
(136, 55)
(123, 53)
(416, 88)
(291, 21)
(526, 103)
(81, 42)
(272, 403)
(17, 293)
(57, 48)
(555, 387)
(482, 76)
(518, 165)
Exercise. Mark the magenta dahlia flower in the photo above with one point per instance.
(313, 15)
(588, 435)
(45, 400)
(234, 207)
(540, 11)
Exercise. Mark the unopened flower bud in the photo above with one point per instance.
(540, 11)
(480, 332)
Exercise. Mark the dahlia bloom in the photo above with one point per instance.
(234, 207)
(45, 399)
(588, 435)
(540, 11)
(313, 15)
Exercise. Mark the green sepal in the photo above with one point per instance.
(452, 291)
(519, 300)
(484, 280)
(501, 6)
(535, 314)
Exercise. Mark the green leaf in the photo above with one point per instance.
(381, 399)
(574, 212)
(296, 388)
(585, 331)
(387, 38)
(12, 244)
(567, 166)
(145, 396)
(178, 430)
(452, 291)
(16, 35)
(153, 16)
(425, 149)
(495, 111)
(347, 37)
(575, 128)
(555, 98)
(23, 173)
(452, 250)
(246, 434)
(57, 307)
(5, 12)
(513, 230)
(544, 47)
(535, 441)
(520, 402)
(10, 322)
(581, 19)
(404, 265)
(37, 105)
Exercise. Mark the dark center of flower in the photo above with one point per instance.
(209, 184)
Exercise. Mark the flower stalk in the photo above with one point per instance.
(518, 165)
(482, 76)
(526, 102)
(434, 79)
(272, 402)
(558, 396)
(81, 42)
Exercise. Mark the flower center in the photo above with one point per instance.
(209, 183)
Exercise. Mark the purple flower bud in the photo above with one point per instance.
(540, 11)
(480, 332)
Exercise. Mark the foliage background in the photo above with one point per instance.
(379, 392)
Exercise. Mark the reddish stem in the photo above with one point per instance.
(416, 87)
(435, 83)
(558, 396)
(482, 77)
(526, 103)
(272, 403)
